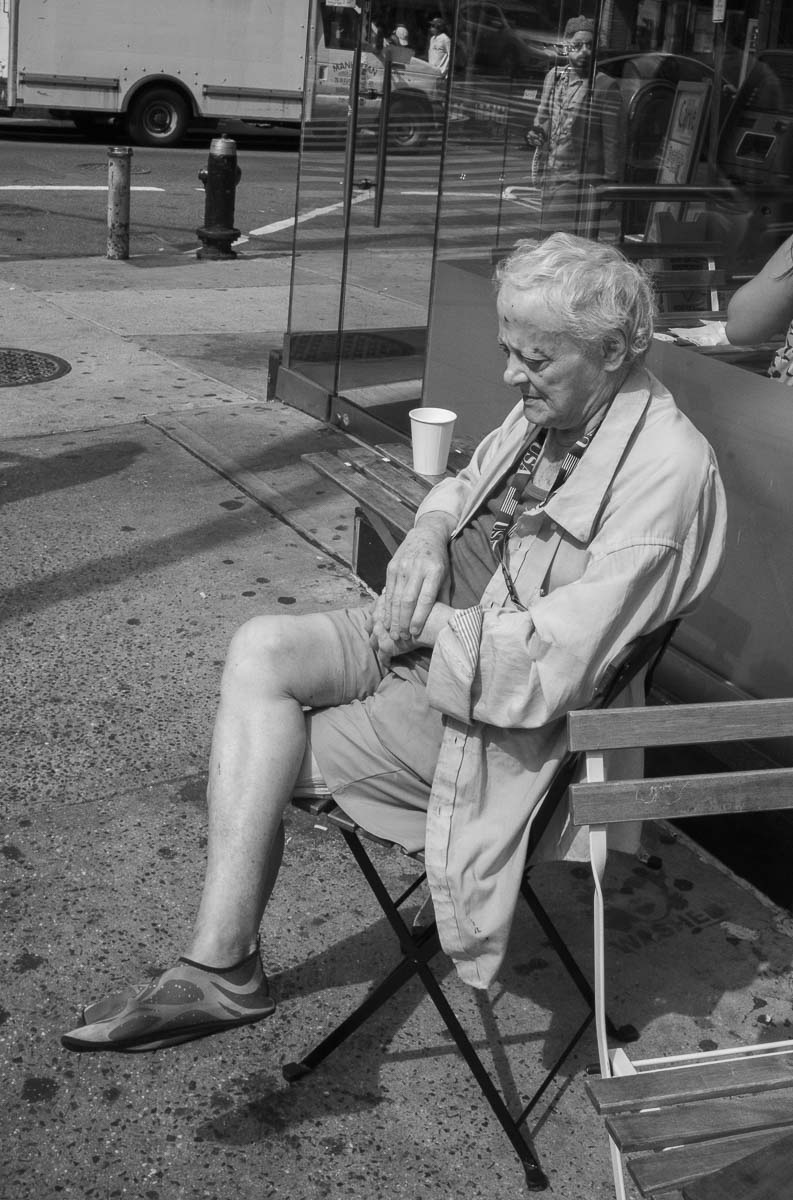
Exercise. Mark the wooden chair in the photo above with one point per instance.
(688, 270)
(700, 1125)
(419, 947)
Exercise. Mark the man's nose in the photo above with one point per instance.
(514, 372)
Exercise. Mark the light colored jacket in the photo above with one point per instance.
(586, 136)
(634, 538)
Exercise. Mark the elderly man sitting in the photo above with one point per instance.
(594, 513)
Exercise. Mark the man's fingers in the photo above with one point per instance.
(423, 607)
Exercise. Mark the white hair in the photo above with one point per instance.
(593, 289)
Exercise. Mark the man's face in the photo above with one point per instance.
(563, 382)
(579, 51)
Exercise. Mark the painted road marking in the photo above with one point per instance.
(288, 222)
(66, 187)
(462, 195)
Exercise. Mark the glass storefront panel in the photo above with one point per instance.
(701, 112)
(706, 155)
(367, 206)
(704, 196)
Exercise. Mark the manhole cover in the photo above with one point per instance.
(18, 367)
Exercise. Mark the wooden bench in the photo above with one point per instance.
(683, 272)
(387, 492)
(703, 1125)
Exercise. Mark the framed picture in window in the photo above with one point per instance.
(681, 147)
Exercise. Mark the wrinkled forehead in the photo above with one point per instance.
(527, 309)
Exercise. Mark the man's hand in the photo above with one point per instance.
(415, 577)
(386, 647)
(535, 138)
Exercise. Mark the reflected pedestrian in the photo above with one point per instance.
(580, 132)
(440, 47)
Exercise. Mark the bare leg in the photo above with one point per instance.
(275, 666)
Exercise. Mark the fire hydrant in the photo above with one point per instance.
(220, 178)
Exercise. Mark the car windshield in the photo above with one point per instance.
(523, 19)
(528, 20)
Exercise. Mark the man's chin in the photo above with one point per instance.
(533, 413)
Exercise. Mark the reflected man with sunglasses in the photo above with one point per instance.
(579, 132)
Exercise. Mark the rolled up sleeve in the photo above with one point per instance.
(529, 668)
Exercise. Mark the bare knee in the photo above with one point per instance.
(259, 653)
(282, 656)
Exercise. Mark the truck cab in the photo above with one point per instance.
(417, 89)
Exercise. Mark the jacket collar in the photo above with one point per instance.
(578, 502)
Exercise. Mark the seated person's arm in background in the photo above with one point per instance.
(763, 307)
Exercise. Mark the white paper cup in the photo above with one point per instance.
(431, 435)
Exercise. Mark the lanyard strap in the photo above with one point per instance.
(517, 485)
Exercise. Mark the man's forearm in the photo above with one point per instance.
(437, 522)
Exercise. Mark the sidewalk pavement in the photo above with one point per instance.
(154, 499)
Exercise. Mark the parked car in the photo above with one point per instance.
(517, 40)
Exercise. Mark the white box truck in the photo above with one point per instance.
(160, 65)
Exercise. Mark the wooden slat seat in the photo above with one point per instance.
(694, 1125)
(387, 492)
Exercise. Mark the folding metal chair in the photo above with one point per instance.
(420, 946)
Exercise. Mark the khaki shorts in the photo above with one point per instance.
(376, 751)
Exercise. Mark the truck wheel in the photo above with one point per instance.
(409, 124)
(158, 117)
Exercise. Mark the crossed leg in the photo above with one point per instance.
(275, 668)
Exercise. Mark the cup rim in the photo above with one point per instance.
(433, 416)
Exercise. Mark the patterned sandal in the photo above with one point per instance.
(187, 1002)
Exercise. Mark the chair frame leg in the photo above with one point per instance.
(623, 1033)
(417, 952)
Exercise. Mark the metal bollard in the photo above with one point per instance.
(220, 178)
(118, 173)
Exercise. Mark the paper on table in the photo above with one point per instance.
(709, 334)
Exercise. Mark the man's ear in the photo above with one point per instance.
(614, 351)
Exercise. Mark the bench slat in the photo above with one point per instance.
(653, 250)
(689, 1123)
(367, 492)
(401, 452)
(406, 488)
(673, 796)
(689, 279)
(718, 1077)
(679, 724)
(675, 1167)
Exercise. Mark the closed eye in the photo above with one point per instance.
(531, 364)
